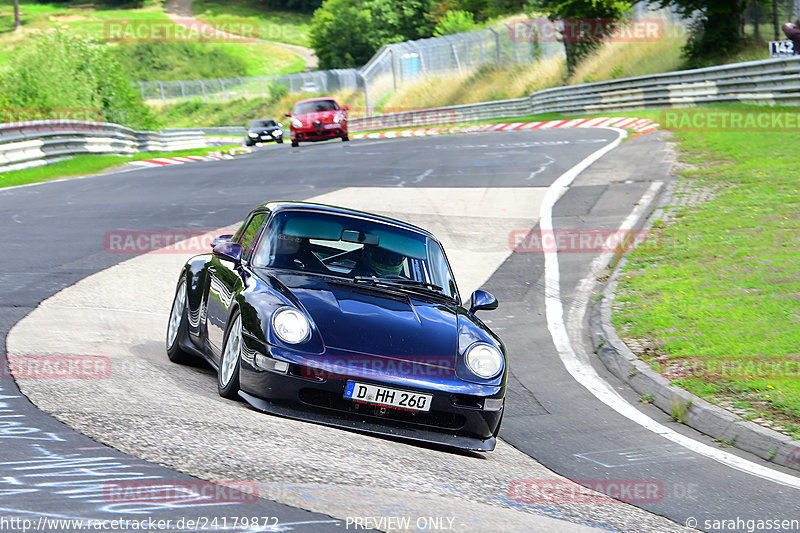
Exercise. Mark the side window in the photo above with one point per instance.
(247, 234)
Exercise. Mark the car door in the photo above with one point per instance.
(225, 281)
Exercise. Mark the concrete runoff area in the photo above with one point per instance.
(172, 415)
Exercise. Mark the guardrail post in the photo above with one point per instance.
(183, 90)
(161, 88)
(497, 43)
(203, 89)
(141, 89)
(366, 93)
(222, 84)
(394, 68)
(513, 42)
(468, 49)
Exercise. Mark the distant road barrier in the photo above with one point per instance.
(39, 142)
(768, 82)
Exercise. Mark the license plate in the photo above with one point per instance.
(362, 392)
(331, 126)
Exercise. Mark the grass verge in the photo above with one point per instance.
(714, 306)
(88, 164)
(162, 60)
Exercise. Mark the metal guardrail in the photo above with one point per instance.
(767, 82)
(39, 142)
(444, 115)
(757, 82)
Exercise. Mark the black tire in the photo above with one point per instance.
(228, 376)
(295, 144)
(279, 141)
(248, 143)
(345, 138)
(176, 327)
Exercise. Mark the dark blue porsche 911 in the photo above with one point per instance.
(343, 318)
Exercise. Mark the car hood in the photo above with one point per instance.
(372, 321)
(265, 130)
(322, 116)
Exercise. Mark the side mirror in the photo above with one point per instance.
(481, 300)
(230, 251)
(346, 108)
(219, 239)
(288, 114)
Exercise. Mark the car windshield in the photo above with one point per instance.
(355, 248)
(267, 123)
(319, 106)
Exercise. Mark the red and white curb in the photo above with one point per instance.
(224, 140)
(639, 125)
(165, 161)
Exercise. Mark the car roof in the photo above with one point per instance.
(318, 99)
(276, 207)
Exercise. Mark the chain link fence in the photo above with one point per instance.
(226, 89)
(393, 65)
(517, 42)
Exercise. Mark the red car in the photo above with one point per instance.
(317, 119)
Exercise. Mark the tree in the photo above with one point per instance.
(716, 31)
(597, 13)
(83, 79)
(347, 33)
(457, 21)
(17, 23)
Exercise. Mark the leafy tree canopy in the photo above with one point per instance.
(715, 33)
(347, 33)
(583, 9)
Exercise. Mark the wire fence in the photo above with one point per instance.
(393, 65)
(520, 41)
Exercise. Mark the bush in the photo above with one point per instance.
(347, 33)
(457, 21)
(63, 76)
(178, 61)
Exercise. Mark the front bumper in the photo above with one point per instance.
(454, 420)
(328, 131)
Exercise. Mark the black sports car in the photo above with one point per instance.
(345, 318)
(264, 131)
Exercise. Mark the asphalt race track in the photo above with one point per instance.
(480, 194)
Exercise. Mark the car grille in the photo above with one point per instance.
(332, 400)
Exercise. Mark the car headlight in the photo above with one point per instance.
(277, 133)
(337, 119)
(291, 326)
(296, 123)
(251, 134)
(484, 360)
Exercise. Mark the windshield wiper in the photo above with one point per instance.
(406, 283)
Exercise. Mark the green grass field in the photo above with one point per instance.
(280, 26)
(715, 302)
(88, 164)
(96, 20)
